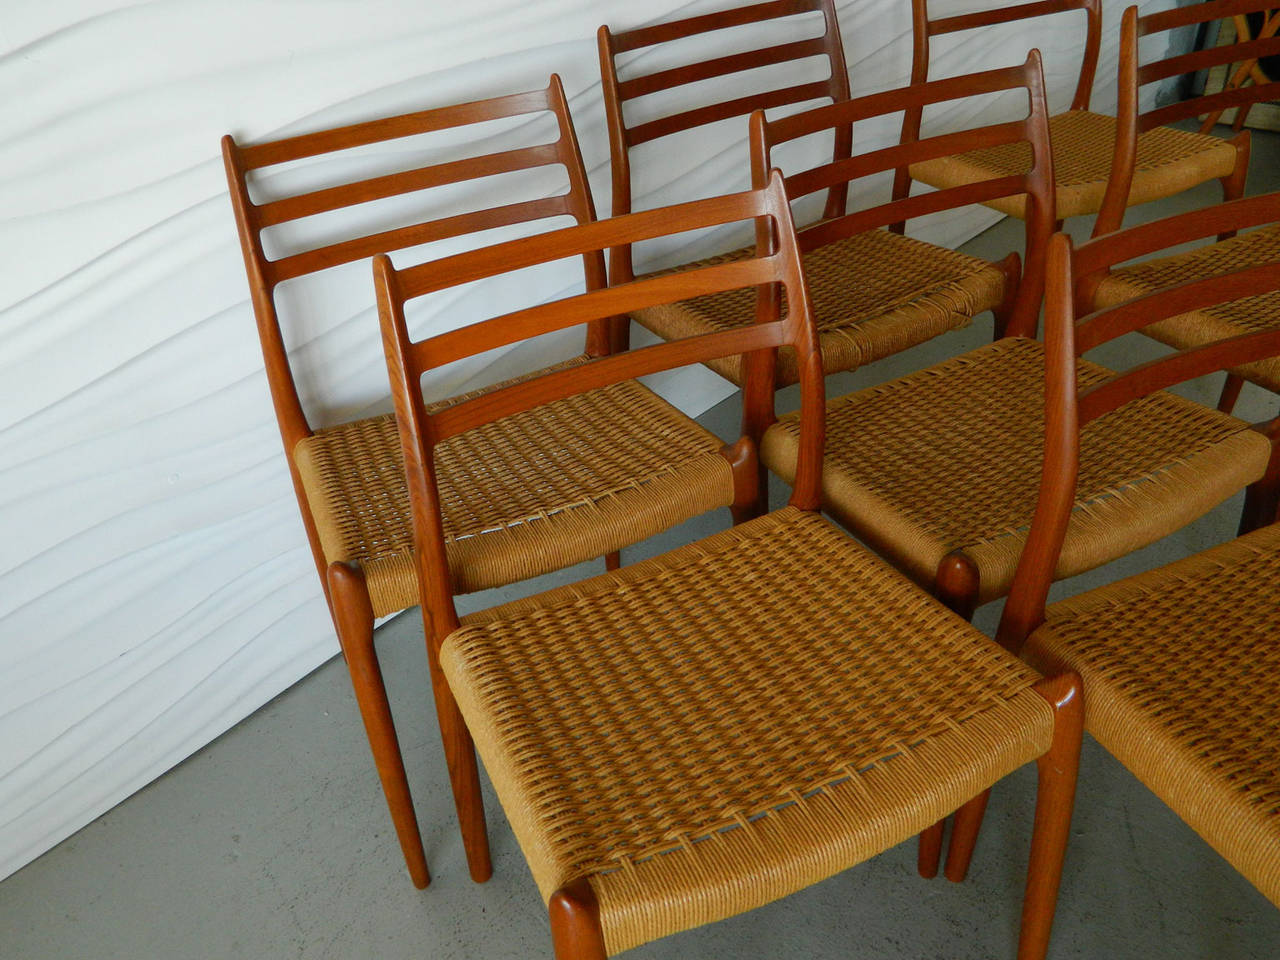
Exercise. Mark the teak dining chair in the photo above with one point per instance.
(522, 498)
(1150, 160)
(1179, 664)
(875, 292)
(956, 510)
(707, 731)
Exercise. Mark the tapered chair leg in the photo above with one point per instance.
(929, 849)
(464, 772)
(575, 923)
(1230, 393)
(1262, 497)
(1055, 798)
(612, 561)
(353, 616)
(1011, 267)
(956, 586)
(1233, 185)
(964, 836)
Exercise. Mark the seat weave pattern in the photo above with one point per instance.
(1180, 670)
(874, 294)
(1246, 315)
(948, 458)
(1168, 161)
(522, 496)
(705, 732)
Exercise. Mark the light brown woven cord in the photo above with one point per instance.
(949, 459)
(525, 495)
(1220, 321)
(1181, 671)
(1169, 161)
(710, 730)
(874, 294)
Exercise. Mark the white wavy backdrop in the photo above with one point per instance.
(155, 584)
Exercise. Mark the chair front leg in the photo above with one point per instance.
(353, 618)
(1233, 185)
(575, 923)
(1055, 800)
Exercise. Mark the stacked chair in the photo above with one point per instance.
(1103, 164)
(523, 496)
(707, 731)
(710, 730)
(1180, 663)
(875, 293)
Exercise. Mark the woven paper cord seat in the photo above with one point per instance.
(1180, 670)
(1169, 161)
(874, 294)
(1216, 322)
(656, 729)
(948, 458)
(523, 496)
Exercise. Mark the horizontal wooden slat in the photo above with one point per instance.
(874, 161)
(1107, 324)
(1210, 57)
(909, 208)
(286, 268)
(1209, 103)
(720, 66)
(377, 188)
(1185, 365)
(1004, 13)
(799, 125)
(1198, 13)
(1109, 250)
(739, 107)
(497, 404)
(720, 20)
(391, 128)
(594, 305)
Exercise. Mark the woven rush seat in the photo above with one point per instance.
(1169, 161)
(1216, 322)
(948, 458)
(523, 496)
(1180, 668)
(874, 294)
(664, 728)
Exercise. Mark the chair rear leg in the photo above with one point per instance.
(964, 836)
(575, 923)
(612, 561)
(1011, 267)
(1230, 393)
(353, 617)
(1055, 799)
(1233, 185)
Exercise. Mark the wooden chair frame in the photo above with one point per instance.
(1132, 77)
(924, 28)
(1068, 410)
(344, 586)
(574, 911)
(617, 92)
(1018, 315)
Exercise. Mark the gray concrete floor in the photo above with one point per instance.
(273, 841)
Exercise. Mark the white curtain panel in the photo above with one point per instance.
(155, 582)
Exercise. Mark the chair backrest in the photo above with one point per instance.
(1068, 410)
(253, 219)
(1037, 183)
(1238, 56)
(617, 92)
(407, 361)
(923, 27)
